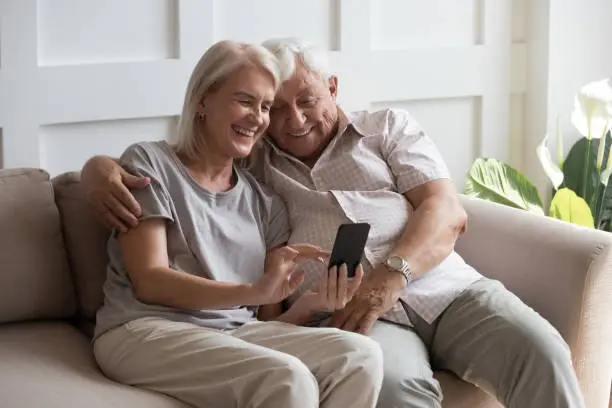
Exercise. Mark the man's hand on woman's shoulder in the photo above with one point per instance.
(106, 186)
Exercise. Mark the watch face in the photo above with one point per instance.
(395, 262)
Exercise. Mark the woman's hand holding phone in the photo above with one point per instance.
(333, 291)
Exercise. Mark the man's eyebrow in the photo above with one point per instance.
(307, 89)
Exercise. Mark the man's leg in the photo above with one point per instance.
(489, 337)
(408, 379)
(348, 366)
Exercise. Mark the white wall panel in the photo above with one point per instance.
(519, 20)
(77, 31)
(402, 24)
(80, 77)
(517, 129)
(453, 124)
(65, 147)
(256, 21)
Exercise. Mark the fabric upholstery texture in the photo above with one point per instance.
(85, 239)
(35, 280)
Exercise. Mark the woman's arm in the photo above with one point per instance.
(144, 250)
(146, 260)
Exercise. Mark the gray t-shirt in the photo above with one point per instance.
(219, 236)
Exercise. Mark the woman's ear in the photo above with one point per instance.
(201, 112)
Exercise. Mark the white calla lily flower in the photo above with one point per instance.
(592, 113)
(554, 173)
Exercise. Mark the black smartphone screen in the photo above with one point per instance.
(349, 245)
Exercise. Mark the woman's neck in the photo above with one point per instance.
(213, 173)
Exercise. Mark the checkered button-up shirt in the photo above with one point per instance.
(361, 177)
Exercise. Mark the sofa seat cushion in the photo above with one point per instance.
(460, 394)
(50, 364)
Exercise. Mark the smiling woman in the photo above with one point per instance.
(184, 283)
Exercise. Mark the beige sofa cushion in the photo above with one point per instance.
(85, 241)
(51, 365)
(35, 280)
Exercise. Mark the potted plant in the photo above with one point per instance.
(582, 191)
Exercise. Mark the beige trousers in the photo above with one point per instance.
(261, 364)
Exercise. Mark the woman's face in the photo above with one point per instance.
(236, 114)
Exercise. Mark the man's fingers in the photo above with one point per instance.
(339, 318)
(366, 322)
(352, 323)
(113, 222)
(126, 198)
(341, 294)
(355, 283)
(121, 212)
(132, 181)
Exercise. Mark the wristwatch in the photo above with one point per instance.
(399, 264)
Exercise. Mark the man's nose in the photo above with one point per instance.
(297, 118)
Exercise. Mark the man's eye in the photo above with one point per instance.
(308, 102)
(245, 103)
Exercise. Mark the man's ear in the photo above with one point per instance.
(333, 86)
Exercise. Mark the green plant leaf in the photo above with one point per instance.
(573, 169)
(568, 206)
(492, 180)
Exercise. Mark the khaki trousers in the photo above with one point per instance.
(260, 365)
(488, 337)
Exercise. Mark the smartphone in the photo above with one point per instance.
(349, 245)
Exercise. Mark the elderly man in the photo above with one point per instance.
(423, 304)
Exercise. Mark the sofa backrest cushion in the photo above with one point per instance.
(35, 281)
(85, 239)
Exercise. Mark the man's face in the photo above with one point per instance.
(304, 116)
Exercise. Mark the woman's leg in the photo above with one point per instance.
(348, 366)
(203, 367)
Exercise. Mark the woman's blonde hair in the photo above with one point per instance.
(214, 67)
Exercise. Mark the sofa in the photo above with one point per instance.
(52, 267)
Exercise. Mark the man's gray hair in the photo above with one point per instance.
(288, 50)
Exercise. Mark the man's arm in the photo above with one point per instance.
(106, 185)
(429, 234)
(432, 230)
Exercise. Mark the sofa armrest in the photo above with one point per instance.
(561, 270)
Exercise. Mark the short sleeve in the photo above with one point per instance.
(278, 229)
(154, 200)
(411, 154)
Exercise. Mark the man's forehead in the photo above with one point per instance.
(301, 81)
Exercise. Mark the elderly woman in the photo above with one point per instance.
(183, 286)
